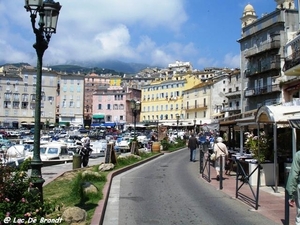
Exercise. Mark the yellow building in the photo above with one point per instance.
(162, 100)
(115, 81)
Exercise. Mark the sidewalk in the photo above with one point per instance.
(270, 204)
(49, 173)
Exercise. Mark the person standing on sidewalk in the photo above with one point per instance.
(221, 153)
(292, 186)
(193, 144)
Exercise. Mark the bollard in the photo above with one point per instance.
(76, 161)
(286, 199)
(201, 158)
(221, 171)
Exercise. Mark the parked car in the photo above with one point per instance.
(123, 144)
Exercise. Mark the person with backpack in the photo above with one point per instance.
(193, 144)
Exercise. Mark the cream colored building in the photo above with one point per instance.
(18, 94)
(162, 100)
(197, 103)
(71, 98)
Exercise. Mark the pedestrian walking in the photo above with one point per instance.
(193, 144)
(293, 186)
(221, 153)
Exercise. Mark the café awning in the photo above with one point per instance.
(277, 114)
(98, 116)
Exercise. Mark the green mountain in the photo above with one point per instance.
(81, 69)
(109, 66)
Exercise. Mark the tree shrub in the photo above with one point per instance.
(18, 197)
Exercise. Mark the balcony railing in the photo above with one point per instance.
(264, 47)
(292, 60)
(192, 107)
(262, 90)
(231, 109)
(232, 93)
(262, 68)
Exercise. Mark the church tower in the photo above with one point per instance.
(285, 4)
(249, 15)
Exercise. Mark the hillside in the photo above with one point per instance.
(108, 66)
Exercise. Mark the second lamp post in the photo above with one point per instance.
(177, 118)
(135, 108)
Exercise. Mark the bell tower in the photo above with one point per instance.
(249, 15)
(285, 4)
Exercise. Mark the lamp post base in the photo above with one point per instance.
(36, 176)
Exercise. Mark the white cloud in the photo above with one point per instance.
(232, 61)
(147, 31)
(206, 62)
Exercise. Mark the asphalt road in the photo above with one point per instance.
(169, 190)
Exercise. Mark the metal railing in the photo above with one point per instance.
(244, 176)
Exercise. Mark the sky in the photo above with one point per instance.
(154, 32)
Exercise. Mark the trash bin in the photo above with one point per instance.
(156, 147)
(76, 161)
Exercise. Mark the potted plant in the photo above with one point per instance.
(259, 147)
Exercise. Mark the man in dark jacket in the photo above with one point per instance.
(193, 144)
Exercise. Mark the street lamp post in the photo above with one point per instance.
(135, 107)
(177, 119)
(48, 12)
(195, 126)
(200, 126)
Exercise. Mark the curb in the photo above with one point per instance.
(99, 213)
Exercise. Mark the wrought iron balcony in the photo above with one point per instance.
(292, 64)
(262, 48)
(262, 90)
(254, 70)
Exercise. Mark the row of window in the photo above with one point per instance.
(25, 97)
(112, 106)
(24, 104)
(179, 85)
(108, 118)
(161, 117)
(173, 116)
(163, 95)
(18, 105)
(72, 89)
(71, 104)
(161, 108)
(16, 113)
(175, 106)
